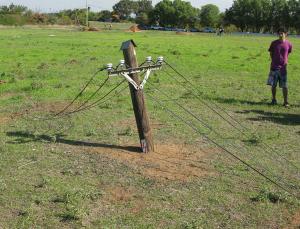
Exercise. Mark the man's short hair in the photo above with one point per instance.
(282, 30)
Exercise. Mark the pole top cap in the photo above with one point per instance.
(126, 44)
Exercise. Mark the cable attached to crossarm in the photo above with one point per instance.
(243, 132)
(80, 93)
(206, 125)
(197, 130)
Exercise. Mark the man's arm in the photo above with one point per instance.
(290, 48)
(271, 49)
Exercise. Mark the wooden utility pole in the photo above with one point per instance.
(138, 101)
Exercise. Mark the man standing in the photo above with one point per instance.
(279, 51)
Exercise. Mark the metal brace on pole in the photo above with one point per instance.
(145, 79)
(127, 72)
(133, 83)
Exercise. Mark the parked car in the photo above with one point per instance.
(208, 30)
(157, 28)
(144, 27)
(180, 30)
(168, 29)
(194, 30)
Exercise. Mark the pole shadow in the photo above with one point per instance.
(23, 137)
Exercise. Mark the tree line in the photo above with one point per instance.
(243, 15)
(264, 15)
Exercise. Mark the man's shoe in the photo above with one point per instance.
(286, 105)
(274, 102)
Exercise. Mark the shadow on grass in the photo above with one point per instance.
(246, 102)
(25, 137)
(279, 118)
(241, 101)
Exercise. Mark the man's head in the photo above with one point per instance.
(282, 33)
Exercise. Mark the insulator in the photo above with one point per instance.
(109, 66)
(149, 59)
(160, 59)
(122, 62)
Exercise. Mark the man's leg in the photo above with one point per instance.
(283, 82)
(274, 95)
(285, 95)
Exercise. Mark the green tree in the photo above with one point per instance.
(125, 8)
(163, 13)
(278, 15)
(185, 14)
(175, 13)
(209, 15)
(239, 14)
(13, 9)
(142, 19)
(105, 15)
(144, 6)
(294, 14)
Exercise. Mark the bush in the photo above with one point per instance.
(231, 29)
(13, 19)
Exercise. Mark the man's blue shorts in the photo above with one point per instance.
(276, 77)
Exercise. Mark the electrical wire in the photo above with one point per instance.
(197, 130)
(96, 103)
(94, 94)
(80, 93)
(212, 130)
(265, 146)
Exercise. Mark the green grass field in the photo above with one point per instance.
(84, 171)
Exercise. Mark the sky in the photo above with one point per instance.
(96, 5)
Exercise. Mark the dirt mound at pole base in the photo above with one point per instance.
(169, 161)
(294, 222)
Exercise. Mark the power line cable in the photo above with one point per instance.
(204, 123)
(99, 101)
(80, 93)
(212, 130)
(265, 146)
(221, 147)
(94, 94)
(96, 103)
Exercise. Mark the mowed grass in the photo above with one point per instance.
(82, 171)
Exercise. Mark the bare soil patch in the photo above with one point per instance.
(4, 119)
(295, 221)
(73, 61)
(7, 95)
(51, 107)
(169, 161)
(119, 194)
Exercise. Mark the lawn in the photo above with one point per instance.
(85, 170)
